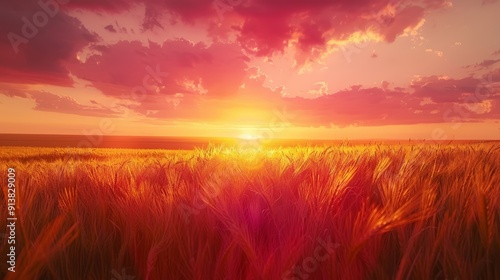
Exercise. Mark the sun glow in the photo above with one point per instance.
(249, 140)
(249, 136)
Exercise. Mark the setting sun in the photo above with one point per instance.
(250, 136)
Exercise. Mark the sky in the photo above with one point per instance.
(321, 69)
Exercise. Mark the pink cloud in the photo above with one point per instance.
(14, 91)
(428, 100)
(177, 66)
(50, 102)
(408, 17)
(446, 90)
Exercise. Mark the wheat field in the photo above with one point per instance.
(420, 211)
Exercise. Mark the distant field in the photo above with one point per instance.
(412, 211)
(182, 143)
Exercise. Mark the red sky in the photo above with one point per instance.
(344, 69)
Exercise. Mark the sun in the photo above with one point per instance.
(249, 136)
(250, 141)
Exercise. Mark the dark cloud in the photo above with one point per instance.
(110, 28)
(443, 90)
(270, 25)
(31, 53)
(484, 64)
